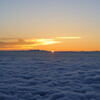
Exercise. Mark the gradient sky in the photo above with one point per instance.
(68, 25)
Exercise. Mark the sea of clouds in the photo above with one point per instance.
(49, 76)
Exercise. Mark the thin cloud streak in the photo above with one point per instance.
(68, 37)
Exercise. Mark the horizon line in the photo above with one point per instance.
(56, 51)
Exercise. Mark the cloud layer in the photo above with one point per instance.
(12, 43)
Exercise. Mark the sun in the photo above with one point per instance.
(52, 51)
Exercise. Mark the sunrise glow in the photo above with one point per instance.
(52, 51)
(60, 25)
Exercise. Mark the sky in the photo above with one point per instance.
(59, 25)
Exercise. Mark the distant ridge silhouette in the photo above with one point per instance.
(37, 50)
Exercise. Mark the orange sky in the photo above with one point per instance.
(56, 44)
(59, 25)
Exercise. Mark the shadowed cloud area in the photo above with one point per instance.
(9, 43)
(49, 76)
(18, 42)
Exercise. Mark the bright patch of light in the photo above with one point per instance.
(52, 51)
(46, 41)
